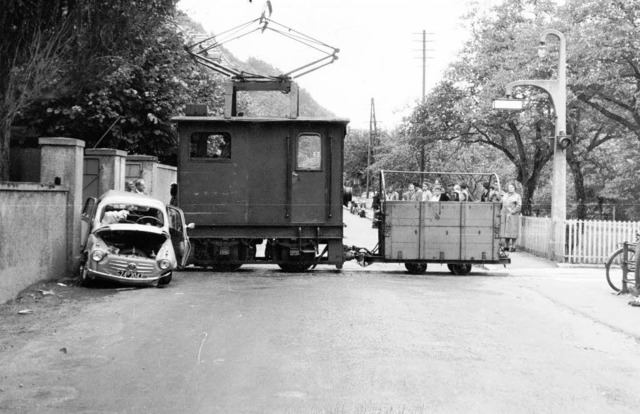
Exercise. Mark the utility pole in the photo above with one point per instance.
(424, 82)
(373, 133)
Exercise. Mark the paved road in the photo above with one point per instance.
(533, 338)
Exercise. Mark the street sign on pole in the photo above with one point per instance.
(506, 104)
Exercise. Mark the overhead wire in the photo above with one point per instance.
(298, 40)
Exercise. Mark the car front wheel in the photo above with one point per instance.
(165, 280)
(84, 274)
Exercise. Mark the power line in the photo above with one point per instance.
(373, 132)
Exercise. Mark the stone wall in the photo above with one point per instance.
(33, 235)
(40, 223)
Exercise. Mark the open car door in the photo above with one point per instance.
(179, 238)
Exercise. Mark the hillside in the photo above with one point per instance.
(268, 104)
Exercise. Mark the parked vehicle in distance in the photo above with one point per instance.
(132, 239)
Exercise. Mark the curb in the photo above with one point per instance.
(581, 265)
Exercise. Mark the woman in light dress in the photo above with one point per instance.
(510, 220)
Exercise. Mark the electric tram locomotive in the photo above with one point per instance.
(262, 190)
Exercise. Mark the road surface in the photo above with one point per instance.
(530, 338)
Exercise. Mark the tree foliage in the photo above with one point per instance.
(459, 108)
(605, 58)
(603, 83)
(122, 72)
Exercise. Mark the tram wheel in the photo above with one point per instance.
(416, 268)
(225, 267)
(460, 269)
(295, 267)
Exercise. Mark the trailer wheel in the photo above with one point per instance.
(416, 268)
(460, 269)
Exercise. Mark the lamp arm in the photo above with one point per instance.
(553, 32)
(549, 86)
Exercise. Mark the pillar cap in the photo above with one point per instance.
(139, 157)
(105, 152)
(61, 141)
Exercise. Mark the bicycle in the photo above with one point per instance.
(620, 269)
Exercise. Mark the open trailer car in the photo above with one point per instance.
(459, 234)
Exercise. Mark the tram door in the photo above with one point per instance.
(308, 179)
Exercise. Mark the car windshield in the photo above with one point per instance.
(131, 213)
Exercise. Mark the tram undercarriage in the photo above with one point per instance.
(291, 254)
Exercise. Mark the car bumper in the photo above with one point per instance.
(140, 281)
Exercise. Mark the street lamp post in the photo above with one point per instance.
(557, 89)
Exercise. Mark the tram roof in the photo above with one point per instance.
(245, 119)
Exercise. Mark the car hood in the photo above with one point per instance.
(131, 227)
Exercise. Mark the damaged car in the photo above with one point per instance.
(132, 239)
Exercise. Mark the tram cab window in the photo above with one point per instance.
(309, 152)
(210, 145)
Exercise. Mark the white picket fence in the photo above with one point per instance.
(586, 241)
(535, 235)
(593, 241)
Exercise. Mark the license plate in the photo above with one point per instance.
(129, 274)
(224, 251)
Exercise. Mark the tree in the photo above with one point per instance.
(605, 60)
(35, 54)
(355, 157)
(459, 107)
(131, 107)
(502, 49)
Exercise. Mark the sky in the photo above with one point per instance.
(380, 44)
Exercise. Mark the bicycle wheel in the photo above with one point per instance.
(614, 268)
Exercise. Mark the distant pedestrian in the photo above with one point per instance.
(458, 195)
(173, 190)
(426, 192)
(464, 189)
(140, 186)
(413, 194)
(392, 195)
(376, 205)
(450, 194)
(437, 194)
(489, 193)
(484, 197)
(494, 194)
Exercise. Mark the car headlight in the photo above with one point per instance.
(98, 255)
(164, 264)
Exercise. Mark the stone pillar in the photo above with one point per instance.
(143, 166)
(62, 161)
(111, 168)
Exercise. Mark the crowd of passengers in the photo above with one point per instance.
(437, 192)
